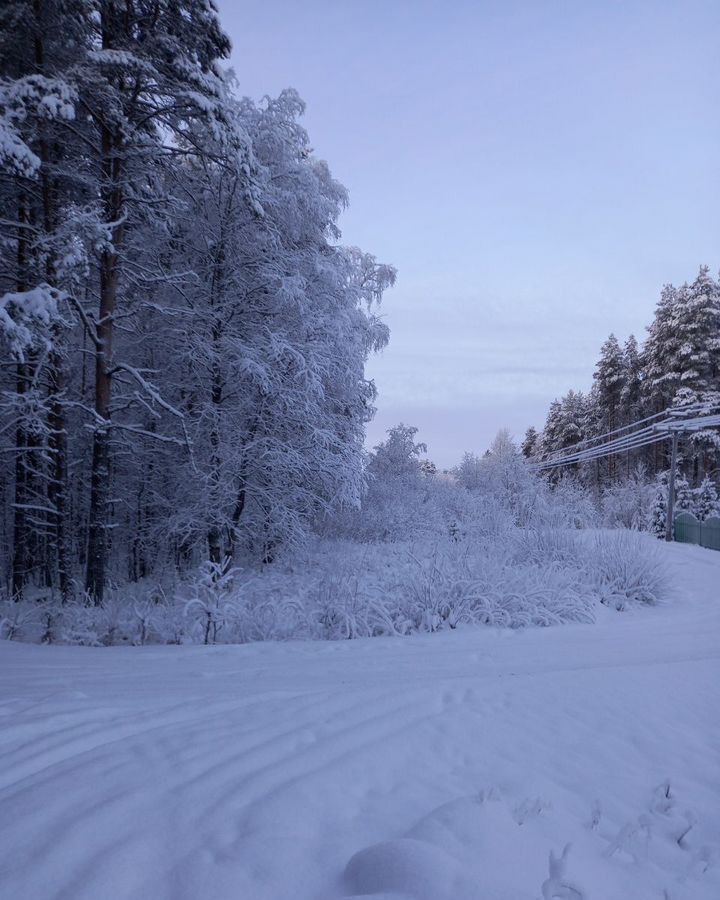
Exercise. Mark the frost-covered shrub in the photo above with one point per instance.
(437, 594)
(81, 622)
(491, 574)
(164, 623)
(482, 494)
(337, 589)
(422, 507)
(23, 620)
(349, 590)
(504, 477)
(214, 603)
(469, 474)
(344, 607)
(491, 588)
(626, 568)
(240, 606)
(395, 507)
(48, 621)
(546, 546)
(570, 505)
(136, 614)
(628, 503)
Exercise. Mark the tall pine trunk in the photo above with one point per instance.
(22, 475)
(98, 525)
(58, 484)
(98, 531)
(20, 531)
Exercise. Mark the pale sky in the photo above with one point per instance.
(536, 171)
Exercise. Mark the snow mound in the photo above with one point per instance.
(468, 849)
(414, 868)
(480, 847)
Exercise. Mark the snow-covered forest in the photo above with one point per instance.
(248, 650)
(184, 337)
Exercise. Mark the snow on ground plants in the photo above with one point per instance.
(474, 764)
(493, 574)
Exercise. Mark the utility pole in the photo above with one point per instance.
(671, 488)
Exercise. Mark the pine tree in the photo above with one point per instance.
(631, 408)
(658, 353)
(695, 362)
(681, 359)
(631, 393)
(530, 441)
(549, 439)
(573, 418)
(609, 379)
(658, 510)
(683, 345)
(605, 405)
(684, 501)
(706, 501)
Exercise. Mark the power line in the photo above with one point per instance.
(673, 420)
(598, 437)
(673, 424)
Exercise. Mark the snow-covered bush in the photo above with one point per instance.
(626, 568)
(346, 608)
(517, 578)
(571, 505)
(482, 495)
(82, 622)
(135, 614)
(490, 588)
(213, 605)
(628, 503)
(47, 621)
(24, 620)
(491, 573)
(469, 473)
(546, 546)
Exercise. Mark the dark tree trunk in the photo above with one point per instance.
(22, 474)
(20, 536)
(58, 485)
(98, 526)
(215, 542)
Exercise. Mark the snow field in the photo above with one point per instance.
(436, 767)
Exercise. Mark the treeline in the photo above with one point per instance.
(678, 365)
(182, 338)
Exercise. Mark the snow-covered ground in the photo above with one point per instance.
(436, 767)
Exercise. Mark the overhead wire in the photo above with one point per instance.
(671, 421)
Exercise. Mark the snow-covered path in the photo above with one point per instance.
(450, 763)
